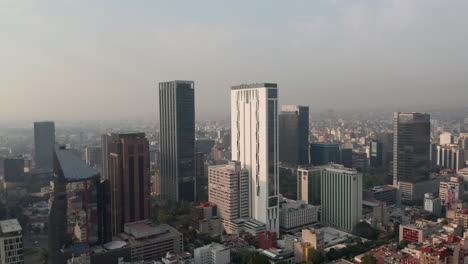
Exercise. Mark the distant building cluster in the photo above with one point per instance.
(270, 183)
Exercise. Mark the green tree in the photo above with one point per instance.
(365, 230)
(257, 258)
(369, 259)
(402, 244)
(315, 256)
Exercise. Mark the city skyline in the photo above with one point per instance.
(217, 132)
(376, 50)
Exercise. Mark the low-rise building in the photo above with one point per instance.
(384, 193)
(275, 255)
(295, 215)
(450, 190)
(462, 217)
(314, 237)
(247, 225)
(412, 191)
(432, 204)
(150, 242)
(212, 254)
(267, 240)
(205, 219)
(414, 233)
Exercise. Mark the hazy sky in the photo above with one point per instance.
(82, 59)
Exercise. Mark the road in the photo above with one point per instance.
(41, 242)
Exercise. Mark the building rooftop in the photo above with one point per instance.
(288, 205)
(340, 169)
(72, 166)
(145, 229)
(254, 85)
(11, 225)
(383, 188)
(114, 245)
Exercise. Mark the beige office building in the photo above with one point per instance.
(228, 188)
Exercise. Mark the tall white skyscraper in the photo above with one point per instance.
(254, 125)
(341, 196)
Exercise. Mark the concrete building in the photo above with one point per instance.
(308, 184)
(450, 191)
(228, 188)
(380, 214)
(315, 237)
(450, 156)
(254, 129)
(432, 204)
(411, 147)
(177, 140)
(384, 193)
(446, 138)
(13, 169)
(411, 191)
(296, 215)
(267, 240)
(415, 233)
(128, 173)
(11, 242)
(324, 153)
(212, 254)
(44, 141)
(294, 134)
(248, 225)
(341, 195)
(461, 218)
(205, 219)
(276, 256)
(152, 242)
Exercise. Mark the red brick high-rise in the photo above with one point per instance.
(128, 168)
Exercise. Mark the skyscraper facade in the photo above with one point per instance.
(177, 140)
(13, 169)
(254, 129)
(451, 156)
(341, 197)
(128, 174)
(386, 138)
(411, 147)
(324, 153)
(294, 134)
(376, 154)
(308, 184)
(44, 140)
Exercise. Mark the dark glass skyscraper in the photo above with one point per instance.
(411, 147)
(386, 138)
(324, 153)
(129, 181)
(294, 134)
(376, 154)
(177, 140)
(13, 169)
(44, 140)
